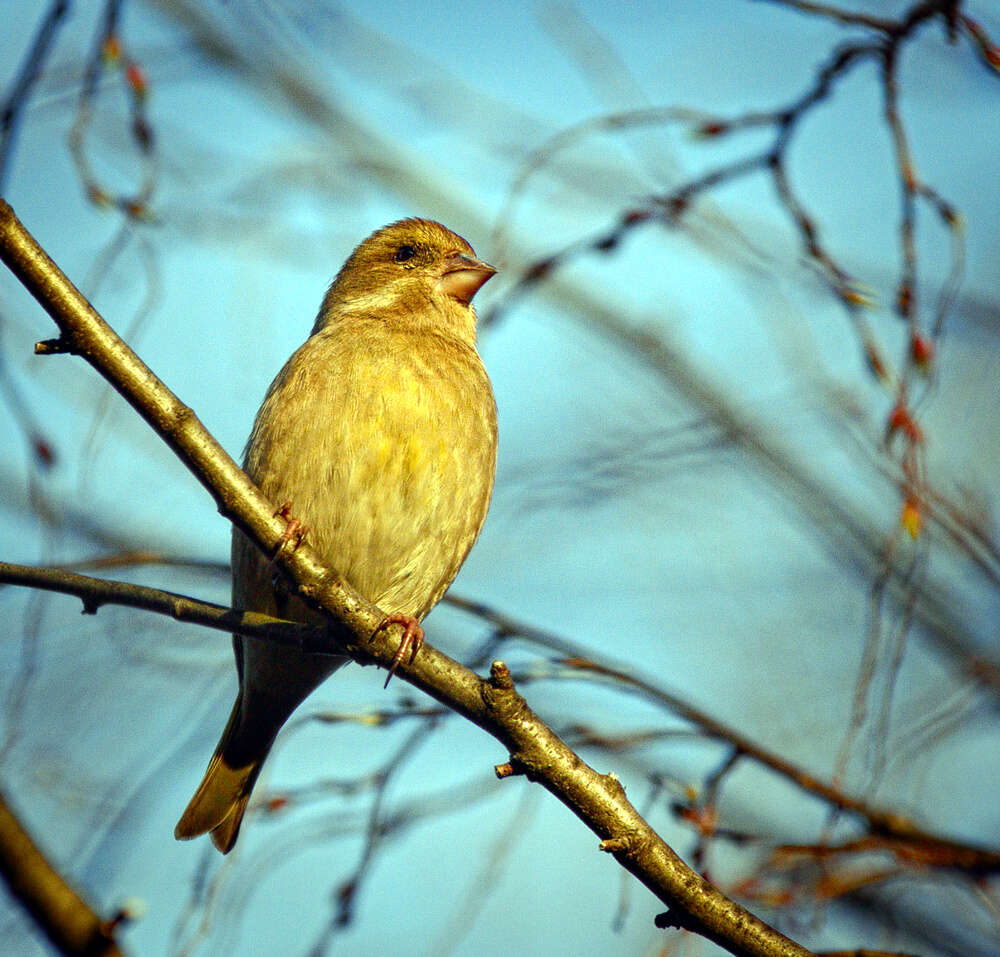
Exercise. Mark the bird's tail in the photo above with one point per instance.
(221, 799)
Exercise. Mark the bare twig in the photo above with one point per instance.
(910, 379)
(817, 496)
(16, 101)
(94, 592)
(831, 12)
(108, 52)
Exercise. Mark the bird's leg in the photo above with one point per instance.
(293, 530)
(412, 640)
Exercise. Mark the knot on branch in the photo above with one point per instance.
(500, 677)
(515, 721)
(500, 697)
(626, 844)
(616, 845)
(675, 917)
(328, 588)
(612, 781)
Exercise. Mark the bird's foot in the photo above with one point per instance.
(412, 640)
(294, 531)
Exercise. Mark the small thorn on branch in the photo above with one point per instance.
(500, 677)
(508, 770)
(53, 347)
(613, 845)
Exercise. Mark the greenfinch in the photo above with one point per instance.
(379, 436)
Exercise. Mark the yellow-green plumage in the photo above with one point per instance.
(380, 431)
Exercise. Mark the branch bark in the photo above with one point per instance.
(494, 704)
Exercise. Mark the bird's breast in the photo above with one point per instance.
(387, 454)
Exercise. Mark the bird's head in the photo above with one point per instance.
(411, 271)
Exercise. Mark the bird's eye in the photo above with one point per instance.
(404, 253)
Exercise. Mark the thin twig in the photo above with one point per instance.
(31, 69)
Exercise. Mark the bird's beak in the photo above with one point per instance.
(462, 275)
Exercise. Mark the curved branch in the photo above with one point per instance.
(494, 705)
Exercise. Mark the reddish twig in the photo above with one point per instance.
(109, 53)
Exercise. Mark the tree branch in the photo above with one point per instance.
(896, 828)
(94, 592)
(898, 832)
(57, 909)
(494, 705)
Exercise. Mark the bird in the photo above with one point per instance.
(379, 438)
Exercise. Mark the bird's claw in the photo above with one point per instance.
(412, 640)
(294, 531)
